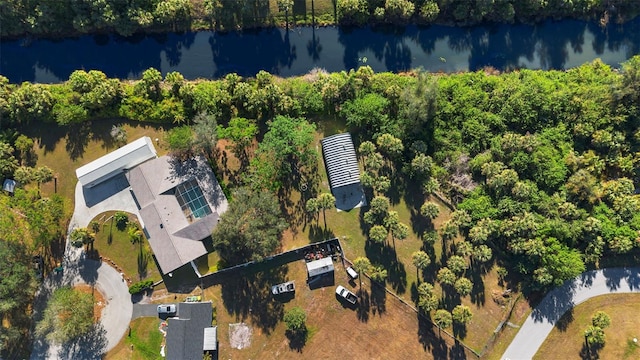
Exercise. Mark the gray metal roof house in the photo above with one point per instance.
(342, 169)
(341, 160)
(116, 161)
(180, 203)
(190, 334)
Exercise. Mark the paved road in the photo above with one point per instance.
(573, 292)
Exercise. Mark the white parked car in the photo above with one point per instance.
(352, 273)
(346, 294)
(166, 309)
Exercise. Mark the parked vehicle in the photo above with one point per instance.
(352, 273)
(166, 309)
(346, 294)
(287, 287)
(194, 298)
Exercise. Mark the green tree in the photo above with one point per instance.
(68, 315)
(361, 265)
(287, 145)
(367, 148)
(430, 210)
(8, 162)
(295, 319)
(313, 207)
(457, 264)
(367, 113)
(601, 319)
(463, 286)
(429, 11)
(42, 174)
(24, 145)
(399, 10)
(23, 175)
(443, 319)
(378, 233)
(17, 288)
(149, 85)
(390, 146)
(251, 228)
(379, 273)
(241, 132)
(285, 6)
(204, 136)
(421, 261)
(419, 105)
(594, 336)
(81, 236)
(326, 201)
(180, 140)
(427, 299)
(482, 253)
(461, 314)
(446, 276)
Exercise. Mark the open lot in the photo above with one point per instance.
(566, 340)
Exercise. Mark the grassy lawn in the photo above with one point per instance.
(566, 341)
(113, 243)
(145, 340)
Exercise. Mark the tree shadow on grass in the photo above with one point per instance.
(78, 139)
(378, 298)
(143, 262)
(565, 320)
(477, 295)
(250, 297)
(363, 305)
(430, 340)
(385, 255)
(590, 352)
(297, 339)
(318, 233)
(91, 345)
(459, 330)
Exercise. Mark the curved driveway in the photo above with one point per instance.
(573, 292)
(113, 194)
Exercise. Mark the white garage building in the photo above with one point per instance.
(115, 162)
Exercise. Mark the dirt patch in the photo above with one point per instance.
(98, 299)
(239, 335)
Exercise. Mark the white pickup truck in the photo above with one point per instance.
(346, 294)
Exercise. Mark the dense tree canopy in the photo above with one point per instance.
(251, 228)
(68, 315)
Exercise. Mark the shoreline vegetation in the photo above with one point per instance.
(66, 18)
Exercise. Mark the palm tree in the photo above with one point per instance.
(326, 201)
(420, 260)
(361, 265)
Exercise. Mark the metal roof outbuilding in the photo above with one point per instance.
(341, 160)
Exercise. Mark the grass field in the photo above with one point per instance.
(567, 340)
(143, 344)
(113, 243)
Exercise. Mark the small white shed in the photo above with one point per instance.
(319, 267)
(116, 161)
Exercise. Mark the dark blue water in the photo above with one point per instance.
(549, 45)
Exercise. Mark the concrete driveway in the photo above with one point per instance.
(115, 317)
(113, 195)
(573, 292)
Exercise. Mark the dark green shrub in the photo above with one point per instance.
(140, 286)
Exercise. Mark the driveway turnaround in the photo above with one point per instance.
(573, 292)
(115, 317)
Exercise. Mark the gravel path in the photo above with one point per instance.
(573, 292)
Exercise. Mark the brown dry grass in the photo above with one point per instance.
(392, 331)
(568, 343)
(98, 299)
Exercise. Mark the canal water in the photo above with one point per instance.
(548, 45)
